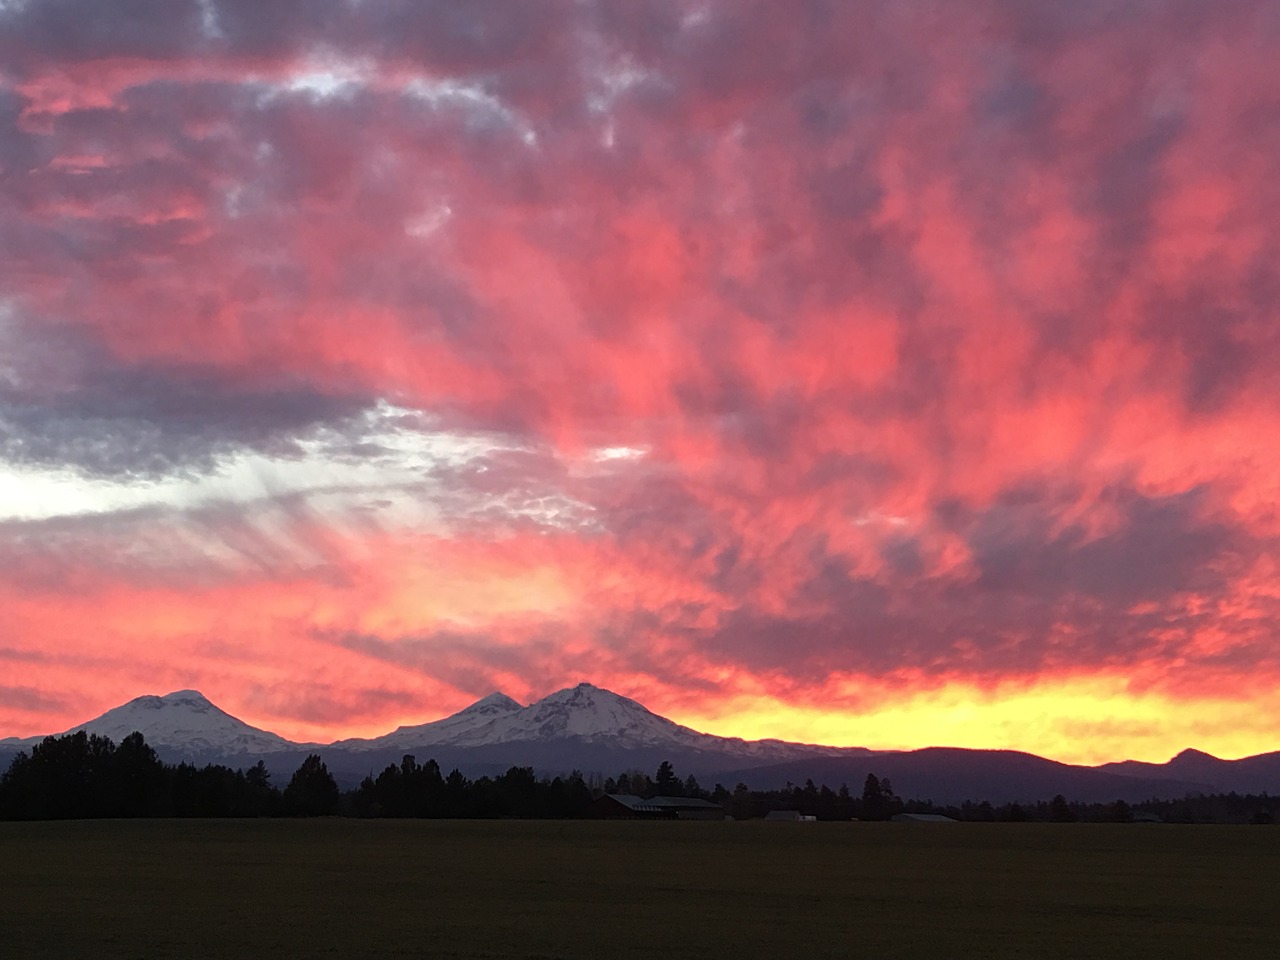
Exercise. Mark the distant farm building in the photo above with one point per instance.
(788, 816)
(622, 806)
(921, 818)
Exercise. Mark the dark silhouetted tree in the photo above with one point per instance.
(873, 800)
(1060, 811)
(665, 780)
(844, 803)
(312, 791)
(261, 798)
(62, 778)
(137, 782)
(828, 804)
(741, 806)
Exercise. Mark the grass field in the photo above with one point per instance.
(347, 888)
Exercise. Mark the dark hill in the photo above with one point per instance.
(1257, 774)
(951, 775)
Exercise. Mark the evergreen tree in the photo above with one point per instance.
(312, 791)
(808, 798)
(844, 803)
(741, 808)
(873, 800)
(137, 782)
(828, 804)
(666, 782)
(262, 798)
(1060, 811)
(63, 778)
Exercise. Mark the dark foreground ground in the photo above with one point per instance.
(348, 888)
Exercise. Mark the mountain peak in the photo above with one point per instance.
(586, 692)
(185, 696)
(589, 712)
(494, 702)
(190, 699)
(1192, 756)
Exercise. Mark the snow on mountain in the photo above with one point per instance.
(184, 721)
(584, 714)
(446, 730)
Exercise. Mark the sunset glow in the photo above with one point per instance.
(887, 375)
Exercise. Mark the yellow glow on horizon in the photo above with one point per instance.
(1075, 720)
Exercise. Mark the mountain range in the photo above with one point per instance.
(598, 731)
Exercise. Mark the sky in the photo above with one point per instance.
(882, 374)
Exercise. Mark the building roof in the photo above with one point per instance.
(659, 804)
(922, 818)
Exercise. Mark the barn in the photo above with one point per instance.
(622, 806)
(921, 818)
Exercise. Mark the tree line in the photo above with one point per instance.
(411, 789)
(81, 776)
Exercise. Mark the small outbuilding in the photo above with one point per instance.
(921, 818)
(622, 806)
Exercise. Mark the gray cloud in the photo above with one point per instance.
(149, 420)
(1163, 546)
(1039, 599)
(29, 698)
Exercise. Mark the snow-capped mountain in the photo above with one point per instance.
(584, 714)
(185, 722)
(589, 713)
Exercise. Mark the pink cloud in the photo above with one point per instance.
(937, 344)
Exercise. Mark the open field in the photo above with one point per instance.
(347, 888)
